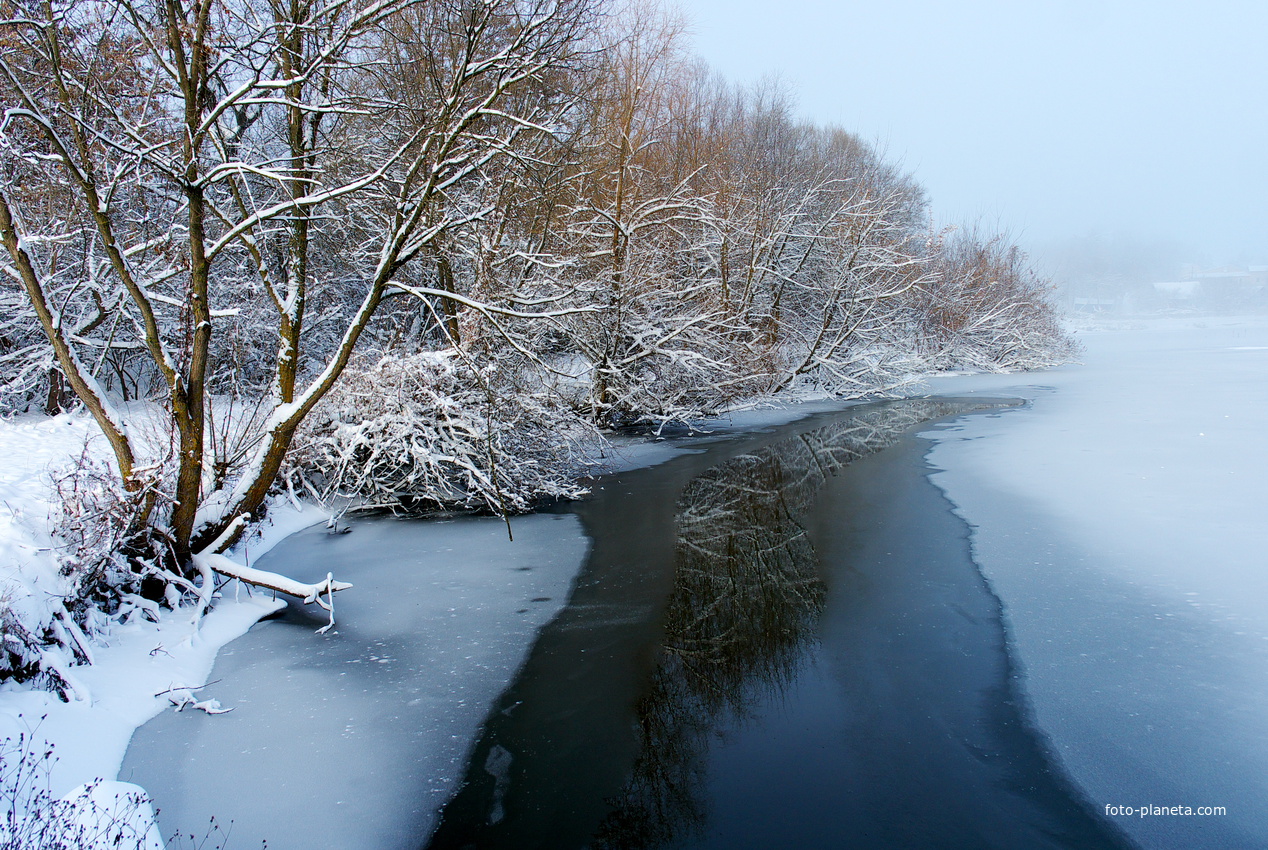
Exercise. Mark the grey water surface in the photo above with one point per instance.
(781, 643)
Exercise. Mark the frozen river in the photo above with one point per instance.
(794, 637)
(1121, 519)
(830, 670)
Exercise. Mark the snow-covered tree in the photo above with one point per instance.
(982, 307)
(498, 217)
(185, 181)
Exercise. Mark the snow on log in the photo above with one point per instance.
(209, 560)
(273, 581)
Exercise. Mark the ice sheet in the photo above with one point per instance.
(1120, 518)
(355, 738)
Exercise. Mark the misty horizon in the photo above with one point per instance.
(1135, 127)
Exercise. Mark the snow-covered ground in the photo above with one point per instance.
(1120, 517)
(135, 665)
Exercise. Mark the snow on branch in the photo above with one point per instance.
(209, 560)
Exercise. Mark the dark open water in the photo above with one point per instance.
(781, 641)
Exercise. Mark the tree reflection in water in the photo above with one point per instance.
(747, 596)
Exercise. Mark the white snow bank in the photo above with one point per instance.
(109, 815)
(1120, 518)
(30, 448)
(105, 815)
(134, 663)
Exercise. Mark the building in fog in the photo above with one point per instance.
(1177, 293)
(1233, 287)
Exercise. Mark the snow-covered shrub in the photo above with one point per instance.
(986, 309)
(103, 815)
(430, 431)
(41, 641)
(659, 369)
(19, 649)
(108, 546)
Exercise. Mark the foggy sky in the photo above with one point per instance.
(1144, 122)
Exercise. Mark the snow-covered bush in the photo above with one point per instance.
(42, 643)
(109, 546)
(103, 815)
(986, 309)
(430, 431)
(19, 649)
